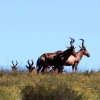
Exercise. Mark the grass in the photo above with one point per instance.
(24, 86)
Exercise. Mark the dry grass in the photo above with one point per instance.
(24, 86)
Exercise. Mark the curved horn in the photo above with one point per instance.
(72, 41)
(16, 63)
(13, 63)
(82, 42)
(32, 62)
(28, 62)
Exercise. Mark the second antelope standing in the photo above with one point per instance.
(74, 61)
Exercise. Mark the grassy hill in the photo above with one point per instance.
(25, 86)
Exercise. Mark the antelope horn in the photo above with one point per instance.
(72, 41)
(32, 62)
(28, 62)
(13, 63)
(16, 63)
(82, 42)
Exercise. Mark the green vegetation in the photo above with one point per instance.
(24, 86)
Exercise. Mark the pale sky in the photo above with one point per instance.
(29, 28)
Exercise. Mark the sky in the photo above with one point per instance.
(29, 28)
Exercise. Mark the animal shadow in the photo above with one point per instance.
(28, 93)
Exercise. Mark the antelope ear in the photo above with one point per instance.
(27, 66)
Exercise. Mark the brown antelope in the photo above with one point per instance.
(65, 55)
(51, 59)
(31, 68)
(47, 59)
(14, 67)
(74, 61)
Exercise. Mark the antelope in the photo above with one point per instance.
(31, 68)
(47, 59)
(52, 59)
(14, 67)
(74, 61)
(65, 55)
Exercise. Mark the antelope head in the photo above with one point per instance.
(83, 48)
(72, 48)
(30, 66)
(14, 67)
